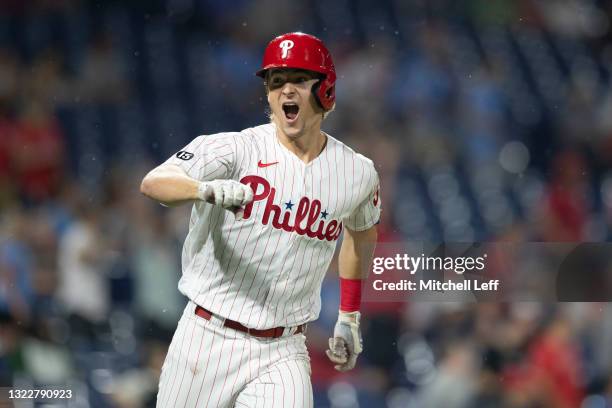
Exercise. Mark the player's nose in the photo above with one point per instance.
(288, 88)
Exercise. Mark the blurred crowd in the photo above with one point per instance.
(487, 120)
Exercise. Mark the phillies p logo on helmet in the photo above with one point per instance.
(286, 45)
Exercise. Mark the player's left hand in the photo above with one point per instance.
(346, 345)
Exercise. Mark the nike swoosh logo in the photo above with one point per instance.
(260, 164)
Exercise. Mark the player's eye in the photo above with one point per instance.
(301, 79)
(277, 80)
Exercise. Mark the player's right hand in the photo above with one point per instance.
(229, 194)
(346, 345)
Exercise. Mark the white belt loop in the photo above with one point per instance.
(217, 320)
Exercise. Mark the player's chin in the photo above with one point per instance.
(293, 127)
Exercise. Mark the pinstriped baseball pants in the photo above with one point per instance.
(209, 365)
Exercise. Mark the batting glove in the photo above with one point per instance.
(229, 194)
(346, 345)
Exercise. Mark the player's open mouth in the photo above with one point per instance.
(291, 110)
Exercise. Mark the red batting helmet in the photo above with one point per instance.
(303, 51)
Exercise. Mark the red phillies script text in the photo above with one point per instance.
(308, 212)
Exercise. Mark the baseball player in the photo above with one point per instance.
(269, 204)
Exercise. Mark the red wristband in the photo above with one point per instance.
(350, 294)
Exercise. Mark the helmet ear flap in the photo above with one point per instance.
(315, 92)
(324, 92)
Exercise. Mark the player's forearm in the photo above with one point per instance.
(349, 264)
(170, 186)
(356, 253)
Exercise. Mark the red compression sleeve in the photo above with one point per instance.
(350, 295)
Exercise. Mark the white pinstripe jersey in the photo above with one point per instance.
(266, 270)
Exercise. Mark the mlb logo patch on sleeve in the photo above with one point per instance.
(183, 155)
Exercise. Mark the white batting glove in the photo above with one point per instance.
(229, 194)
(346, 345)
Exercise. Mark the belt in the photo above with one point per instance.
(274, 332)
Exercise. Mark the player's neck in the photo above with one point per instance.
(307, 146)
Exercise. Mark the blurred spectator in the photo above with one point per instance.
(45, 362)
(83, 259)
(555, 358)
(368, 74)
(7, 127)
(423, 83)
(481, 108)
(42, 239)
(11, 356)
(45, 82)
(554, 373)
(572, 18)
(608, 392)
(9, 76)
(15, 266)
(155, 273)
(138, 387)
(578, 121)
(454, 383)
(37, 152)
(566, 208)
(102, 78)
(494, 12)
